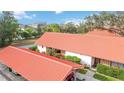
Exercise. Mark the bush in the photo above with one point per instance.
(103, 78)
(86, 67)
(53, 52)
(73, 58)
(58, 55)
(115, 72)
(34, 48)
(26, 34)
(121, 74)
(102, 68)
(37, 50)
(82, 71)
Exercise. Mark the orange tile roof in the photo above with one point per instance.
(102, 32)
(93, 44)
(36, 66)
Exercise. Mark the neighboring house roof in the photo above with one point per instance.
(35, 66)
(107, 46)
(102, 32)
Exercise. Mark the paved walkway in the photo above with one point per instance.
(87, 77)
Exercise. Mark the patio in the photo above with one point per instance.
(86, 77)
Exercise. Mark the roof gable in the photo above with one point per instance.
(106, 47)
(33, 66)
(102, 32)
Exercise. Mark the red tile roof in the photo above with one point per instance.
(102, 32)
(36, 66)
(107, 46)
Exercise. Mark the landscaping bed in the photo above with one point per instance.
(82, 71)
(114, 72)
(72, 58)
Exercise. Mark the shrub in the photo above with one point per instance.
(33, 48)
(53, 52)
(121, 75)
(102, 68)
(49, 51)
(58, 55)
(73, 58)
(115, 72)
(86, 67)
(26, 34)
(37, 50)
(109, 72)
(82, 71)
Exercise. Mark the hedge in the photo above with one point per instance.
(115, 72)
(34, 48)
(103, 77)
(73, 58)
(121, 75)
(82, 71)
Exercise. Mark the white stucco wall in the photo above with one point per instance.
(84, 59)
(41, 49)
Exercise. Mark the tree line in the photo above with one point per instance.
(10, 29)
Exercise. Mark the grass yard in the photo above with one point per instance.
(24, 42)
(103, 77)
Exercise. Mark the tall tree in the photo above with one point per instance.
(39, 29)
(82, 28)
(69, 28)
(53, 28)
(8, 27)
(108, 20)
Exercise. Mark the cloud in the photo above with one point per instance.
(58, 12)
(76, 21)
(21, 15)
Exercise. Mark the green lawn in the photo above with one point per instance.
(24, 42)
(103, 77)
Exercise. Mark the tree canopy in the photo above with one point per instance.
(109, 20)
(8, 27)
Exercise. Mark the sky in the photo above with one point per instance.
(59, 17)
